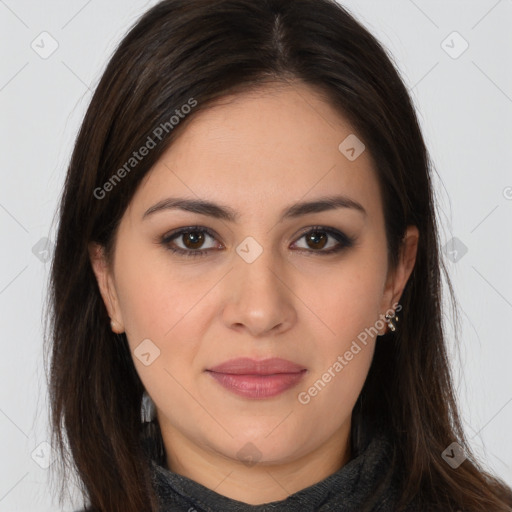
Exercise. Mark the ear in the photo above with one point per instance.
(106, 285)
(398, 277)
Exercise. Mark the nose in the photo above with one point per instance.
(259, 299)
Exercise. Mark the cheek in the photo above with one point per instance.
(332, 393)
(154, 296)
(160, 305)
(348, 301)
(349, 304)
(342, 355)
(168, 305)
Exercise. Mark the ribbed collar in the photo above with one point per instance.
(364, 483)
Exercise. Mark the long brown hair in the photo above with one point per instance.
(202, 50)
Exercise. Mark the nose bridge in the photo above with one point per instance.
(258, 298)
(258, 267)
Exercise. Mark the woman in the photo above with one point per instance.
(247, 253)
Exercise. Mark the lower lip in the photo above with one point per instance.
(258, 386)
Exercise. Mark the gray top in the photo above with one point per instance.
(366, 483)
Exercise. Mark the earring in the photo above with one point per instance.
(147, 410)
(115, 327)
(391, 320)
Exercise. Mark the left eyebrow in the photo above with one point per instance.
(223, 212)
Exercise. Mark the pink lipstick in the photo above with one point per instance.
(255, 379)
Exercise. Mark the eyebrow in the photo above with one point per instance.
(223, 212)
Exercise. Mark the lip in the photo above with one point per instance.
(248, 366)
(257, 379)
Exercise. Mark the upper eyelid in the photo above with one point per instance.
(210, 232)
(180, 231)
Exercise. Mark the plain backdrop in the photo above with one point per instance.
(455, 58)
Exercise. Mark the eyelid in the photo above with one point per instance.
(168, 237)
(344, 241)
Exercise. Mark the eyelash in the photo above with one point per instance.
(343, 239)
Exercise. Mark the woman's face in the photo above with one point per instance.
(275, 278)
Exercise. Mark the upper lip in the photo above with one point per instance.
(248, 366)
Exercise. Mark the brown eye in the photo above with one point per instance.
(316, 239)
(193, 239)
(323, 241)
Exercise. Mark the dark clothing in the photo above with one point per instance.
(365, 483)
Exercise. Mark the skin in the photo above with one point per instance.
(257, 153)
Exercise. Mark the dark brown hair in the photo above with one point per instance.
(204, 50)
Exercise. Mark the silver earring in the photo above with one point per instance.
(147, 410)
(391, 320)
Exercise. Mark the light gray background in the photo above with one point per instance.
(465, 106)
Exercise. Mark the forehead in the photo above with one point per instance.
(273, 145)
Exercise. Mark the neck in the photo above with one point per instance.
(262, 482)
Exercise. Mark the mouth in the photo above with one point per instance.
(255, 379)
